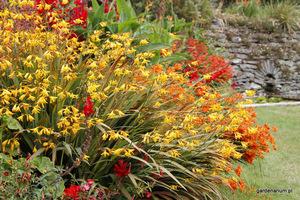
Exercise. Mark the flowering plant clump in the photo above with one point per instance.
(102, 111)
(19, 179)
(87, 191)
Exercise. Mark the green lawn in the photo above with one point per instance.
(279, 169)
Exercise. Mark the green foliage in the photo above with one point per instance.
(185, 9)
(283, 14)
(268, 100)
(26, 178)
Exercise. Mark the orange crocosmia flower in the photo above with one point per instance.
(239, 96)
(249, 156)
(274, 147)
(242, 185)
(274, 129)
(157, 68)
(177, 66)
(238, 171)
(233, 184)
(267, 126)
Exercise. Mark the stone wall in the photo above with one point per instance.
(266, 62)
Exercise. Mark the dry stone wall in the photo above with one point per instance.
(266, 62)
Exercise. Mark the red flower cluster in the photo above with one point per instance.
(107, 10)
(77, 192)
(63, 11)
(121, 170)
(73, 192)
(203, 62)
(88, 107)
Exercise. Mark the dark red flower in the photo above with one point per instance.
(88, 107)
(233, 85)
(121, 170)
(5, 173)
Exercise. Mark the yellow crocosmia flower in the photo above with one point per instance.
(248, 101)
(206, 76)
(45, 144)
(35, 130)
(237, 155)
(16, 108)
(65, 68)
(118, 72)
(86, 157)
(194, 63)
(103, 24)
(174, 153)
(112, 115)
(145, 73)
(65, 132)
(128, 152)
(29, 118)
(237, 136)
(20, 118)
(124, 133)
(105, 154)
(52, 99)
(250, 92)
(144, 42)
(78, 21)
(174, 187)
(207, 128)
(117, 151)
(34, 149)
(244, 144)
(105, 136)
(120, 113)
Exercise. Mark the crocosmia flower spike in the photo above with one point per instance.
(88, 107)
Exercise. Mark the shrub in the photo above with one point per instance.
(29, 178)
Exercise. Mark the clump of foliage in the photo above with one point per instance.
(29, 178)
(187, 9)
(119, 110)
(283, 15)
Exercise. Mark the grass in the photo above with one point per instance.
(279, 169)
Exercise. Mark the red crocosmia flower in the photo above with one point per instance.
(148, 194)
(88, 107)
(90, 182)
(73, 192)
(121, 170)
(162, 175)
(5, 173)
(155, 176)
(194, 76)
(233, 85)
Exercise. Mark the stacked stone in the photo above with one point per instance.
(260, 60)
